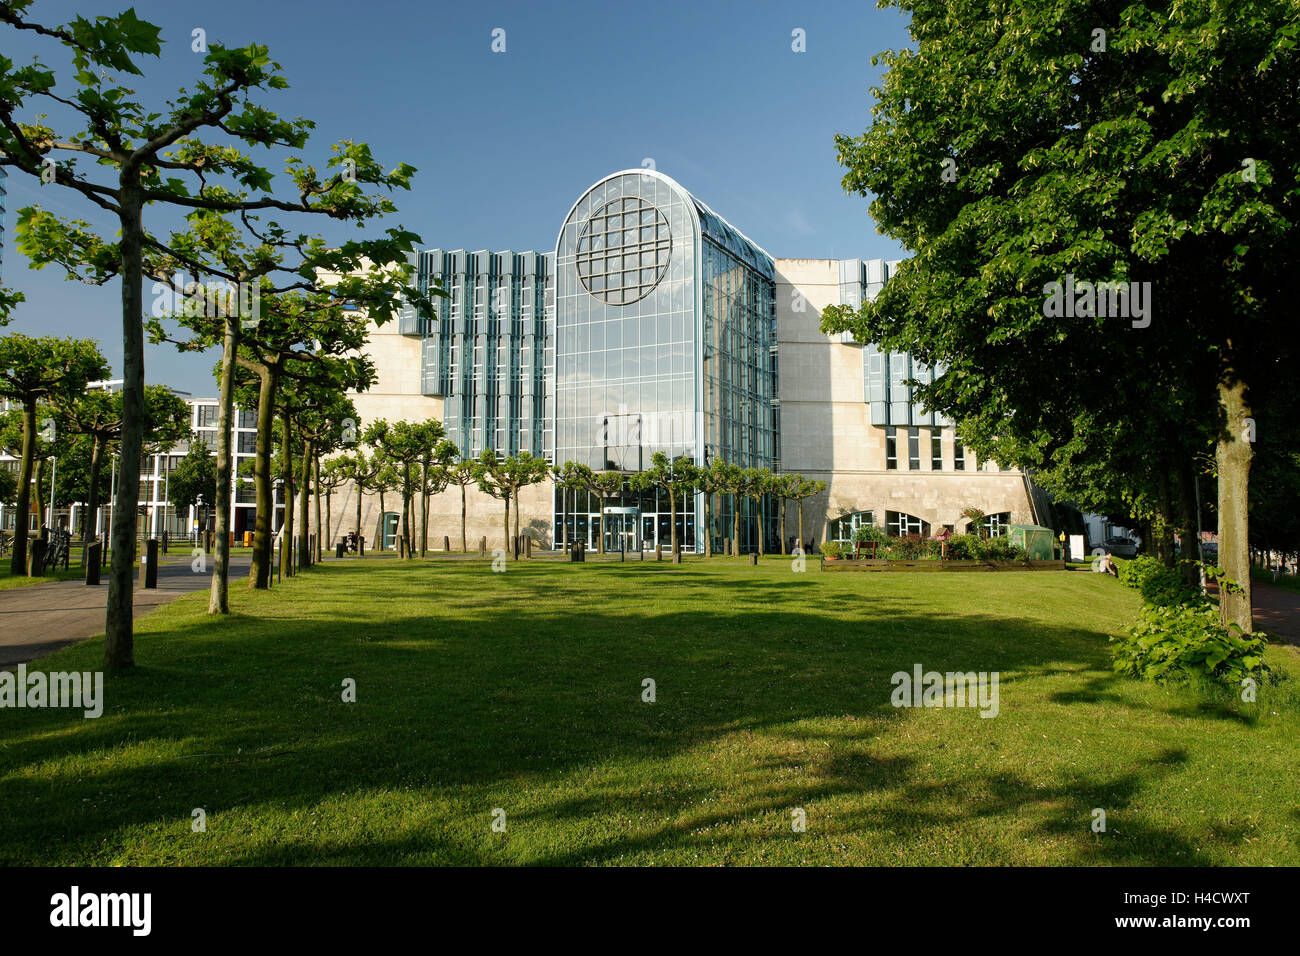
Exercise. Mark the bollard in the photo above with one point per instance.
(659, 552)
(446, 543)
(149, 565)
(482, 547)
(92, 563)
(338, 549)
(677, 553)
(753, 557)
(528, 546)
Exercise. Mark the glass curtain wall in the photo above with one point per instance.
(664, 335)
(487, 351)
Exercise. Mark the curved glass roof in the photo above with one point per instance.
(718, 230)
(733, 240)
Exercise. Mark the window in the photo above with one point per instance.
(914, 449)
(843, 528)
(623, 251)
(995, 524)
(891, 447)
(247, 443)
(958, 454)
(936, 450)
(207, 416)
(899, 524)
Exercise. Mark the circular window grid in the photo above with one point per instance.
(623, 251)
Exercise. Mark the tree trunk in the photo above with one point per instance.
(424, 510)
(1233, 454)
(23, 507)
(515, 495)
(119, 615)
(287, 494)
(464, 547)
(219, 596)
(360, 487)
(305, 556)
(735, 525)
(259, 573)
(383, 522)
(709, 530)
(781, 503)
(799, 503)
(1165, 539)
(758, 524)
(405, 547)
(315, 468)
(1188, 520)
(329, 532)
(672, 520)
(507, 524)
(92, 494)
(41, 495)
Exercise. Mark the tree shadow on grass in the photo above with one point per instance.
(480, 687)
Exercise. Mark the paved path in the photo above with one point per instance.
(38, 619)
(1277, 610)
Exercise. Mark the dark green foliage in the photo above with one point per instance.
(1184, 642)
(1157, 583)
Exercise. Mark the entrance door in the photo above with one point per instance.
(391, 519)
(621, 527)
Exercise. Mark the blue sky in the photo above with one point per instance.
(506, 142)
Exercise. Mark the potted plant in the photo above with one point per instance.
(832, 550)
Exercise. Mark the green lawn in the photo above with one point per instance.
(8, 580)
(522, 691)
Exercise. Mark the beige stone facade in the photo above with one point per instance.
(826, 431)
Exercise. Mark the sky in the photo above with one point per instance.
(712, 93)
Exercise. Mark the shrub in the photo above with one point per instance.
(869, 532)
(1186, 641)
(1002, 549)
(1159, 585)
(966, 547)
(832, 549)
(904, 549)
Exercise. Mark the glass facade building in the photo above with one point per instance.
(664, 342)
(489, 350)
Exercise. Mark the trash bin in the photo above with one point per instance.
(248, 539)
(339, 549)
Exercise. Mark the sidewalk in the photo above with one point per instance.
(41, 618)
(1276, 610)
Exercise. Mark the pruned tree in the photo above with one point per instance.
(674, 478)
(502, 478)
(407, 445)
(154, 157)
(43, 370)
(435, 474)
(462, 473)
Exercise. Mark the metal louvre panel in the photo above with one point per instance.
(899, 398)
